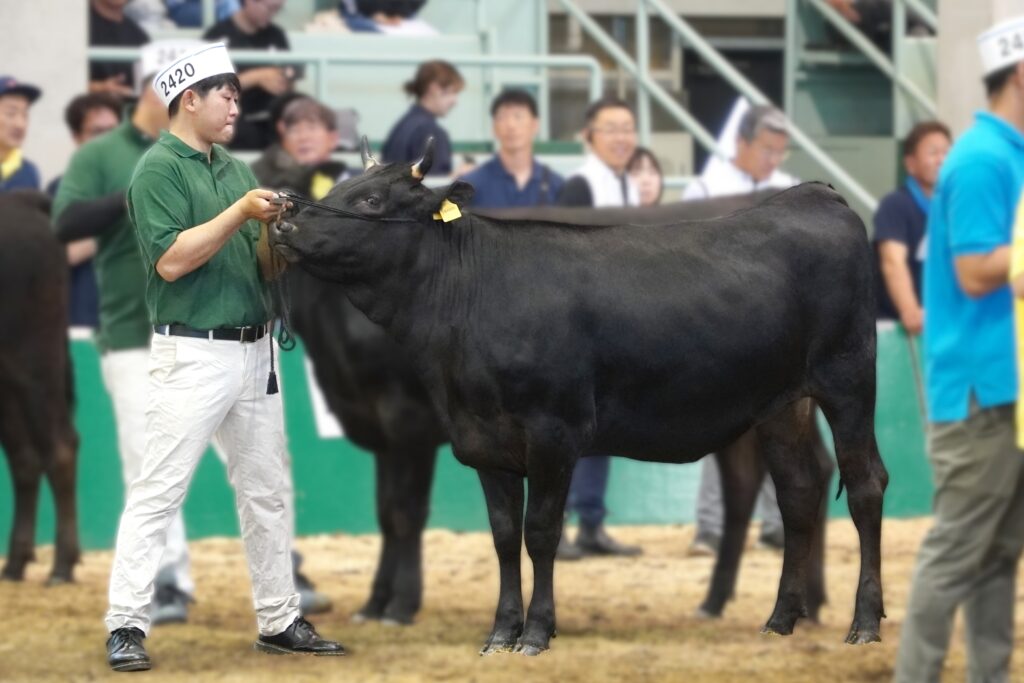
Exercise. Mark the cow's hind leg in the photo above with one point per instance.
(26, 474)
(816, 593)
(742, 470)
(850, 413)
(801, 484)
(503, 491)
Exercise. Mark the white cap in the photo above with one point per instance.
(1002, 45)
(160, 54)
(197, 65)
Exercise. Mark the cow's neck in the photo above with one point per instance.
(418, 280)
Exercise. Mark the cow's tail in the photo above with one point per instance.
(839, 491)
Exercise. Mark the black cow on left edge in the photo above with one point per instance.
(35, 380)
(543, 343)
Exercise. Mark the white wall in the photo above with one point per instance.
(44, 43)
(961, 92)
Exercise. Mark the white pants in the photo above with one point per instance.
(200, 389)
(125, 377)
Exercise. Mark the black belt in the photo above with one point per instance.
(239, 334)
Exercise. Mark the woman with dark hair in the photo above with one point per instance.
(436, 87)
(646, 173)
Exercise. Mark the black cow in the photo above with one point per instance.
(540, 343)
(372, 388)
(35, 380)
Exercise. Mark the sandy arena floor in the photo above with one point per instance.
(619, 620)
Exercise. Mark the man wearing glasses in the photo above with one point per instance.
(761, 147)
(610, 133)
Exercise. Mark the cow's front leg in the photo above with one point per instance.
(503, 491)
(549, 477)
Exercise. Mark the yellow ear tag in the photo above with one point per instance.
(320, 185)
(449, 212)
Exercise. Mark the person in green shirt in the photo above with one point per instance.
(91, 203)
(196, 212)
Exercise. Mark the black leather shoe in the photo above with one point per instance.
(298, 639)
(596, 541)
(125, 651)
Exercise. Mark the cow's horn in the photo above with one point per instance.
(368, 160)
(422, 167)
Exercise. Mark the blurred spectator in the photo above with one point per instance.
(969, 557)
(874, 19)
(397, 17)
(301, 161)
(250, 28)
(16, 172)
(900, 226)
(108, 26)
(610, 132)
(189, 13)
(513, 176)
(646, 174)
(88, 117)
(151, 15)
(762, 139)
(436, 87)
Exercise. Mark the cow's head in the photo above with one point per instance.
(384, 208)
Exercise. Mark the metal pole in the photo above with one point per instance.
(738, 81)
(644, 80)
(130, 54)
(876, 56)
(643, 62)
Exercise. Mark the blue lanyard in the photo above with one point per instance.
(922, 201)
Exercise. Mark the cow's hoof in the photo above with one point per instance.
(395, 623)
(776, 629)
(705, 615)
(529, 650)
(502, 641)
(859, 637)
(57, 580)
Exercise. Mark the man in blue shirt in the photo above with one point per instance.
(970, 556)
(16, 172)
(513, 177)
(900, 227)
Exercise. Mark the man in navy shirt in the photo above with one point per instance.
(16, 172)
(900, 227)
(513, 177)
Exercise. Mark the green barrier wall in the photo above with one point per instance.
(334, 479)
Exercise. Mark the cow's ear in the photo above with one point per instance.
(460, 193)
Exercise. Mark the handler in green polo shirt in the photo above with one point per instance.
(91, 203)
(196, 213)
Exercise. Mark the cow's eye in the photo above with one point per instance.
(372, 201)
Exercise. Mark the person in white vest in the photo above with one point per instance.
(602, 181)
(758, 135)
(761, 145)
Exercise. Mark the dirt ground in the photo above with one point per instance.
(619, 620)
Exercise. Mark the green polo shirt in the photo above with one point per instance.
(176, 188)
(97, 169)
